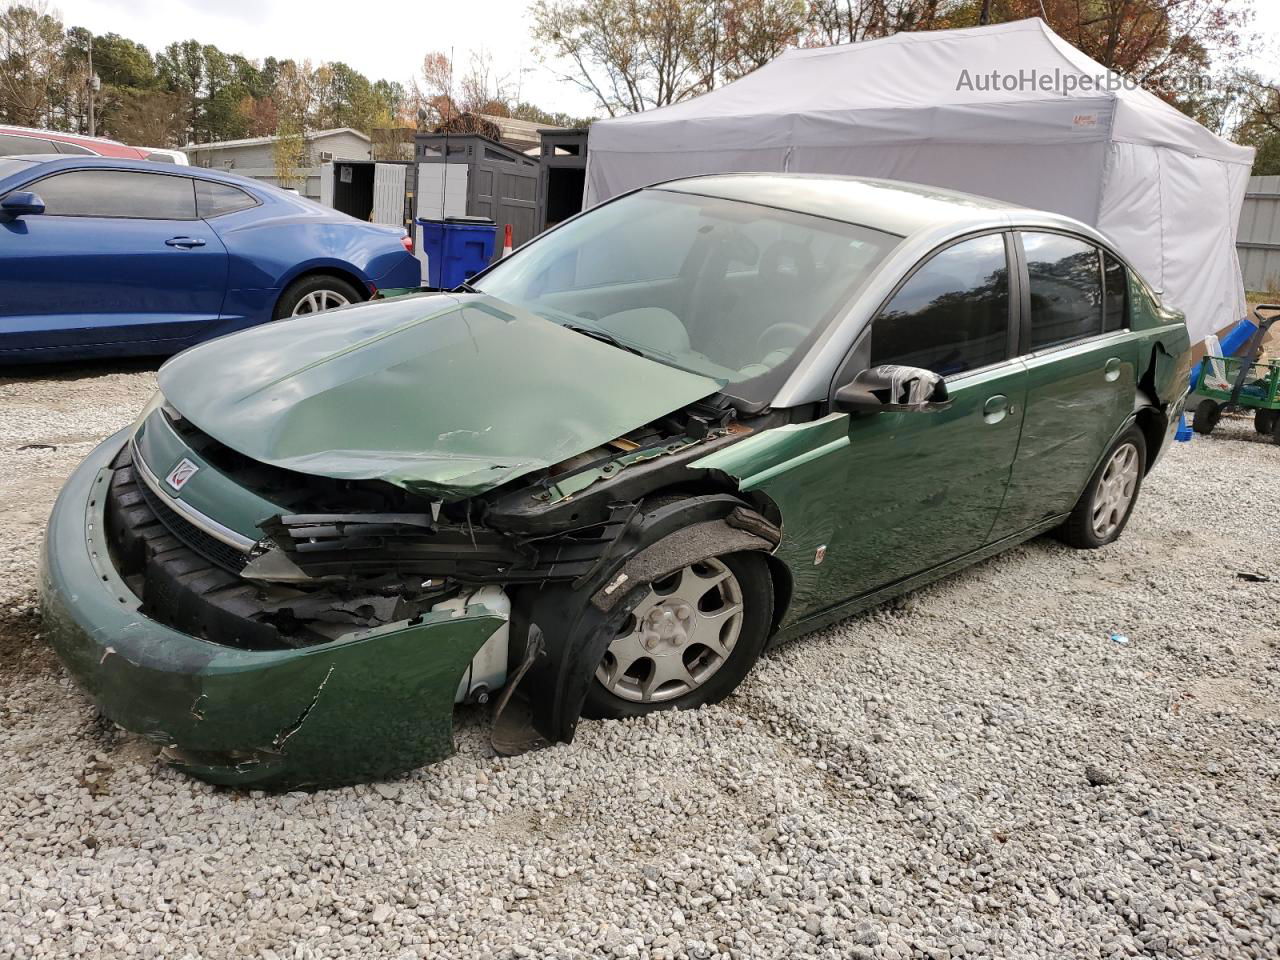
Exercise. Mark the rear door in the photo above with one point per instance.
(1081, 363)
(117, 259)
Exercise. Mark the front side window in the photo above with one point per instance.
(1066, 289)
(117, 193)
(952, 315)
(731, 290)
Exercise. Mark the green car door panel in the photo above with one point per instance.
(869, 499)
(1077, 397)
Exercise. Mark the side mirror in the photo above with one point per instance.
(891, 388)
(20, 203)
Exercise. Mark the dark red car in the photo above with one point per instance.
(17, 141)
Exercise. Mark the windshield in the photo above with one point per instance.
(729, 290)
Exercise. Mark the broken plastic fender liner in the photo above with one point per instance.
(697, 542)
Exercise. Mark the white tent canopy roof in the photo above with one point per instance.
(1011, 111)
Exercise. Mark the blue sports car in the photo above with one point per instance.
(102, 257)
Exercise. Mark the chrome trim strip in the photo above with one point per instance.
(194, 517)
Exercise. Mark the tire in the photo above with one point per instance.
(1206, 417)
(747, 582)
(1264, 421)
(318, 288)
(1113, 489)
(1275, 429)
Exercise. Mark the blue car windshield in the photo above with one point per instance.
(731, 290)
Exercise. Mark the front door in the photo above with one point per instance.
(924, 488)
(1081, 362)
(118, 258)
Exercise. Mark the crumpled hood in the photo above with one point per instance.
(447, 395)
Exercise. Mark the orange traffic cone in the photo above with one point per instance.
(506, 242)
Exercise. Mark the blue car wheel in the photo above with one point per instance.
(315, 294)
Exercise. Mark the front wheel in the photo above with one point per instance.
(315, 294)
(1264, 421)
(1104, 508)
(689, 641)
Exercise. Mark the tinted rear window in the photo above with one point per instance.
(117, 193)
(1066, 289)
(74, 148)
(216, 199)
(1117, 304)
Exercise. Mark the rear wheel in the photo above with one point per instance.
(1264, 421)
(689, 641)
(315, 294)
(1107, 502)
(1206, 417)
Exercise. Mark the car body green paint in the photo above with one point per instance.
(419, 392)
(319, 715)
(868, 499)
(208, 490)
(1077, 397)
(453, 396)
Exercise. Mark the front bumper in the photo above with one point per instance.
(373, 703)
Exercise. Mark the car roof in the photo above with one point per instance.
(888, 205)
(100, 146)
(59, 135)
(60, 161)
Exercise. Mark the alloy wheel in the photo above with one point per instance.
(678, 636)
(319, 300)
(1115, 491)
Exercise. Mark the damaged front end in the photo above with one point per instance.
(328, 639)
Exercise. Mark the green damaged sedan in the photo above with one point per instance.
(602, 477)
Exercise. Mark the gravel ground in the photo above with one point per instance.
(976, 770)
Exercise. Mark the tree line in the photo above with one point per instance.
(192, 92)
(628, 55)
(633, 55)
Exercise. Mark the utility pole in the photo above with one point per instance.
(984, 17)
(93, 83)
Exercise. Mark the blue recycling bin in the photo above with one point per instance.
(456, 248)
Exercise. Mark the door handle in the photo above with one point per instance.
(996, 408)
(1111, 372)
(185, 242)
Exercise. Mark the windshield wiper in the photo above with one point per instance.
(464, 287)
(602, 336)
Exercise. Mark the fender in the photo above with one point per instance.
(576, 622)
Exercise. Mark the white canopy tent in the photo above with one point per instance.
(1010, 111)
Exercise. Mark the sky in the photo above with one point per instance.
(386, 39)
(383, 39)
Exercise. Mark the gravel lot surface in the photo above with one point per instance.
(978, 770)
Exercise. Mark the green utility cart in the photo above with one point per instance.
(1225, 384)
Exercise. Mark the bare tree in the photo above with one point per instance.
(630, 55)
(750, 33)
